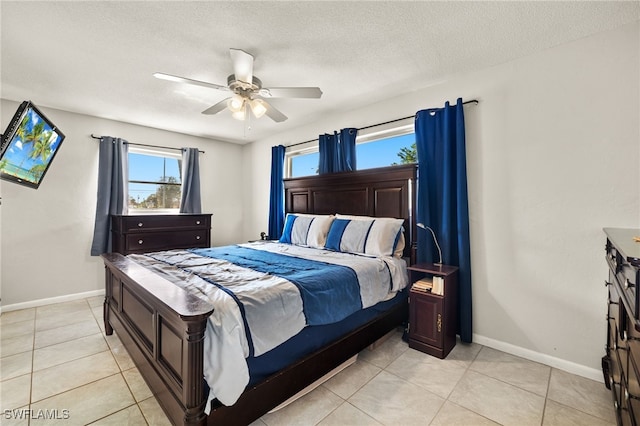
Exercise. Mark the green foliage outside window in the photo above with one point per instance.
(408, 155)
(166, 196)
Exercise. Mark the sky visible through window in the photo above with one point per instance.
(149, 168)
(379, 153)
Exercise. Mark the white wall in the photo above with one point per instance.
(47, 233)
(553, 155)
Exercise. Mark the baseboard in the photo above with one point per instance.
(561, 364)
(50, 301)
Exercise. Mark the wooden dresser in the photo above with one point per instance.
(621, 364)
(155, 232)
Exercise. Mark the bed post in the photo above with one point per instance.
(108, 330)
(194, 397)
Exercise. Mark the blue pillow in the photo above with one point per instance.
(288, 226)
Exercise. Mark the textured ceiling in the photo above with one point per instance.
(98, 57)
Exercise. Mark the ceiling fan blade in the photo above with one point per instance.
(242, 65)
(177, 79)
(273, 113)
(217, 107)
(291, 92)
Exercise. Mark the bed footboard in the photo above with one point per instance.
(162, 328)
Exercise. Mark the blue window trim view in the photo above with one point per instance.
(377, 153)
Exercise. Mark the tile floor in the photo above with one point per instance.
(56, 360)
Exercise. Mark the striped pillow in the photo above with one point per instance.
(366, 235)
(306, 229)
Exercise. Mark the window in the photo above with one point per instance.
(380, 148)
(154, 179)
(302, 163)
(386, 152)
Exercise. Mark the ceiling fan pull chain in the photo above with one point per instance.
(248, 114)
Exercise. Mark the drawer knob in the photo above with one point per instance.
(197, 237)
(628, 283)
(140, 241)
(139, 224)
(197, 222)
(607, 283)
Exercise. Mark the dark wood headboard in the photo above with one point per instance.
(382, 192)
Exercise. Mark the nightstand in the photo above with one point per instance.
(433, 317)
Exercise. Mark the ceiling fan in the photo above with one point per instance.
(247, 91)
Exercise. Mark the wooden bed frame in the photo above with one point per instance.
(162, 326)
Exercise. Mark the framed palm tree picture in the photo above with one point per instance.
(29, 145)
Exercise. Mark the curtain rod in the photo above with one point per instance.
(473, 101)
(148, 146)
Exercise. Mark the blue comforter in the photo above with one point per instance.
(329, 292)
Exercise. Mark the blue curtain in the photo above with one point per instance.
(337, 151)
(190, 201)
(276, 199)
(113, 173)
(442, 198)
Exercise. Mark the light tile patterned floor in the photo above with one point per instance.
(56, 359)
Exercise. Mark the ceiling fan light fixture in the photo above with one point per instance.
(258, 107)
(236, 103)
(240, 114)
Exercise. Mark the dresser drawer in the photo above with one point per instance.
(627, 277)
(625, 412)
(612, 256)
(154, 223)
(613, 318)
(155, 241)
(631, 395)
